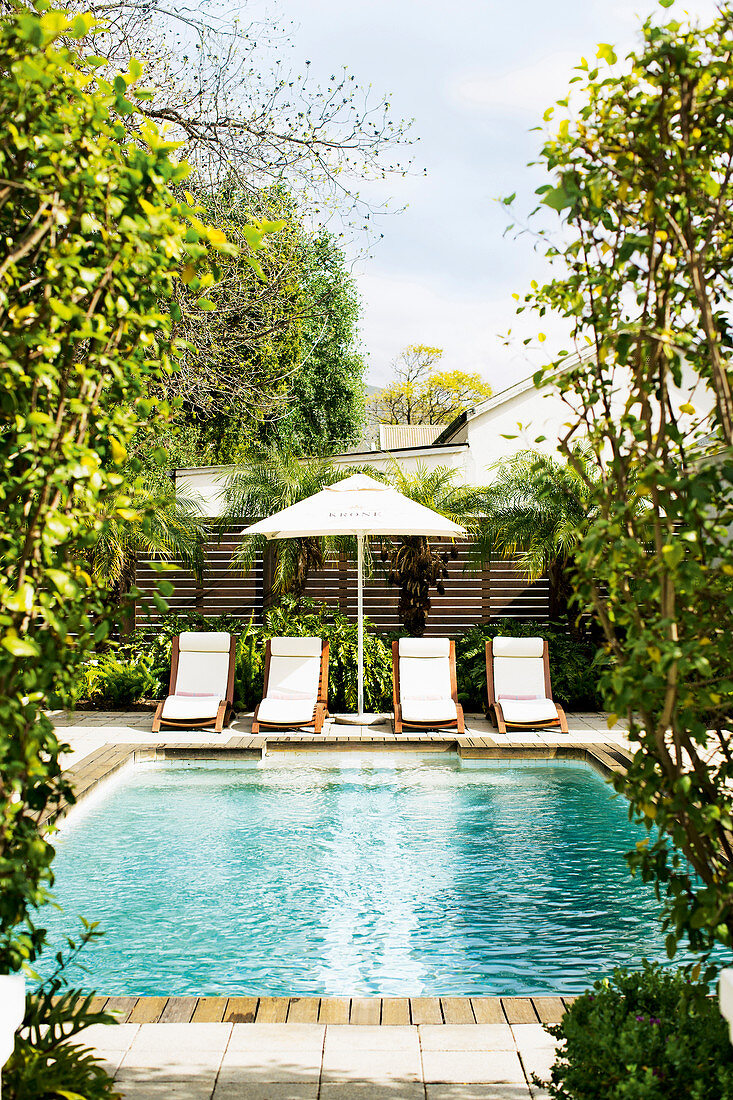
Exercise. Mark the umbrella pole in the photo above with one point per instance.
(360, 616)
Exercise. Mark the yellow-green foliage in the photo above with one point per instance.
(92, 241)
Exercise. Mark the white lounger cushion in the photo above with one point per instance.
(294, 678)
(190, 708)
(519, 668)
(528, 711)
(430, 710)
(296, 647)
(203, 664)
(286, 712)
(424, 647)
(425, 680)
(204, 641)
(518, 647)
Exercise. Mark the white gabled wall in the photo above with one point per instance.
(515, 420)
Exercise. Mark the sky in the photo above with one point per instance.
(476, 76)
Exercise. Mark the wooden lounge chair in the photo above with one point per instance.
(201, 692)
(425, 695)
(296, 685)
(518, 685)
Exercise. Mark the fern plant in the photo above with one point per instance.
(46, 1063)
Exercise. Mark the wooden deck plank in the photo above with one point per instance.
(209, 1010)
(178, 1010)
(519, 1010)
(148, 1010)
(425, 1010)
(240, 1010)
(549, 1009)
(457, 1010)
(97, 1004)
(273, 1010)
(487, 1010)
(396, 1010)
(567, 1001)
(366, 1010)
(334, 1010)
(303, 1010)
(121, 1007)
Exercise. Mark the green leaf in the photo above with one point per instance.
(557, 198)
(20, 647)
(606, 53)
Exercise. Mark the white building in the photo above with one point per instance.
(510, 421)
(521, 417)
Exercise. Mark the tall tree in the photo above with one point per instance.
(225, 87)
(276, 359)
(642, 176)
(420, 394)
(323, 406)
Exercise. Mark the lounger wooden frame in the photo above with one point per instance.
(457, 723)
(225, 712)
(496, 715)
(320, 711)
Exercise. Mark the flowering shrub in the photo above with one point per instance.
(650, 1034)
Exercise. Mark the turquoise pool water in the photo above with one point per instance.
(371, 876)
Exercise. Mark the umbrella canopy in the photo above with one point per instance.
(360, 506)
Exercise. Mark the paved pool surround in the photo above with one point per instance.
(311, 1048)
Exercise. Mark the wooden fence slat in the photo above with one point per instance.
(425, 1010)
(273, 1010)
(334, 1010)
(365, 1010)
(303, 1010)
(457, 1010)
(240, 1010)
(148, 1010)
(519, 1010)
(499, 588)
(209, 1010)
(487, 1010)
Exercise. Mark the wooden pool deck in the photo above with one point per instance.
(357, 1011)
(103, 742)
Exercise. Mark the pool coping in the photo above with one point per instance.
(356, 1011)
(104, 762)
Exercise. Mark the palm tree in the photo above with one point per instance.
(538, 508)
(265, 484)
(147, 517)
(412, 563)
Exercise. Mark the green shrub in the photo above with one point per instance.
(117, 681)
(650, 1034)
(289, 618)
(574, 662)
(47, 1063)
(140, 668)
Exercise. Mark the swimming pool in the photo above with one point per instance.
(397, 876)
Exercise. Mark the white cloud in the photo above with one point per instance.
(525, 90)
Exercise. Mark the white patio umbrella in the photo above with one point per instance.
(359, 506)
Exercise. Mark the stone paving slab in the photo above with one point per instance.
(313, 1061)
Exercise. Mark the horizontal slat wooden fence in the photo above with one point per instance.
(497, 590)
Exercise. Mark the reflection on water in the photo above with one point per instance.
(397, 876)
